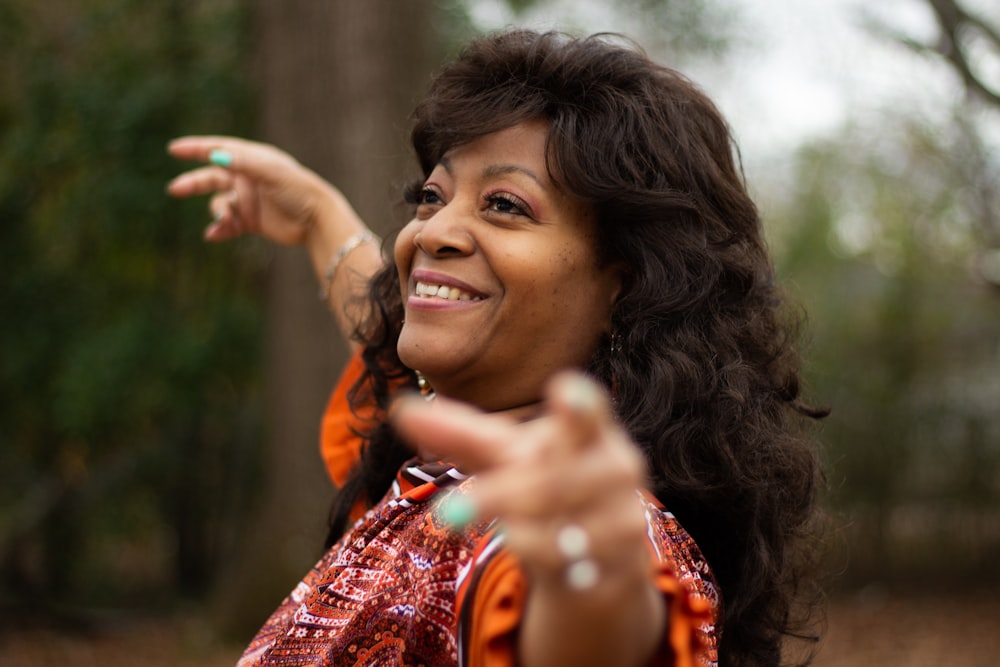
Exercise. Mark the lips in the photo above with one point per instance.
(428, 290)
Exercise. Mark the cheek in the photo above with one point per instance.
(570, 290)
(402, 250)
(584, 290)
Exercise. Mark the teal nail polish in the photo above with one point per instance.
(458, 510)
(221, 158)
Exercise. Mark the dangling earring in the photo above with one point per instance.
(616, 343)
(426, 390)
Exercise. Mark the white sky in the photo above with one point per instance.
(811, 66)
(803, 67)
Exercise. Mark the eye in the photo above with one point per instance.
(502, 202)
(428, 195)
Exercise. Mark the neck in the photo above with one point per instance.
(522, 413)
(518, 413)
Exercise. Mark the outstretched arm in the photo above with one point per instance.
(564, 489)
(258, 189)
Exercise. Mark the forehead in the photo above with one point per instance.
(522, 148)
(527, 140)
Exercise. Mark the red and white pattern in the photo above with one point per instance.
(386, 594)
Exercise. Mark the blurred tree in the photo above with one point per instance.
(336, 81)
(895, 231)
(968, 40)
(678, 31)
(127, 378)
(880, 230)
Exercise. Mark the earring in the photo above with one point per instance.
(616, 343)
(426, 390)
(615, 348)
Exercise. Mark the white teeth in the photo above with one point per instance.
(443, 292)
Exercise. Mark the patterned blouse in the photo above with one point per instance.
(403, 587)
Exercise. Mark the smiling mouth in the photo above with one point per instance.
(431, 291)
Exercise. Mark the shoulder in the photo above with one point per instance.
(687, 583)
(673, 546)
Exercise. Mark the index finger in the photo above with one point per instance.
(241, 155)
(472, 440)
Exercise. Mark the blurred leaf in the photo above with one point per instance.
(878, 235)
(126, 341)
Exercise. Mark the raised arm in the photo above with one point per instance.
(258, 189)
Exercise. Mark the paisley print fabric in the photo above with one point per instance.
(388, 592)
(384, 594)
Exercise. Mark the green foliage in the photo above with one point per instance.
(129, 347)
(879, 238)
(674, 30)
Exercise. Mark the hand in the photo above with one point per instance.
(262, 190)
(573, 466)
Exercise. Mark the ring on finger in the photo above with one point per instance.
(581, 572)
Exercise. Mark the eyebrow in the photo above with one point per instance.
(504, 169)
(494, 170)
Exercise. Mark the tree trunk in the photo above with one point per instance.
(337, 79)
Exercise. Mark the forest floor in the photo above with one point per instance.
(864, 629)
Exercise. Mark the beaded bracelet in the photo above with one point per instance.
(349, 246)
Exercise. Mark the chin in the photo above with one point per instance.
(422, 357)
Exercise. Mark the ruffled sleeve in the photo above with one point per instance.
(690, 639)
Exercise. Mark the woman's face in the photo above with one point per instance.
(499, 274)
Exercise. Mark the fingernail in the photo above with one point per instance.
(457, 510)
(582, 395)
(221, 157)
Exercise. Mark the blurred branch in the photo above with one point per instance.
(960, 32)
(953, 20)
(49, 495)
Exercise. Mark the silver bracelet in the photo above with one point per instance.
(349, 246)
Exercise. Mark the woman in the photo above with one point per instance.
(585, 288)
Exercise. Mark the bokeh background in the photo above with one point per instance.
(160, 487)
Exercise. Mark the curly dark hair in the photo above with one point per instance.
(703, 368)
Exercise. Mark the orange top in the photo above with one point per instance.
(501, 593)
(690, 638)
(340, 444)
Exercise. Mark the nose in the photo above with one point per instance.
(446, 233)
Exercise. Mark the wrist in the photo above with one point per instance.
(620, 621)
(352, 243)
(328, 219)
(331, 224)
(344, 254)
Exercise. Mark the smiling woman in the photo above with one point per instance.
(612, 468)
(490, 224)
